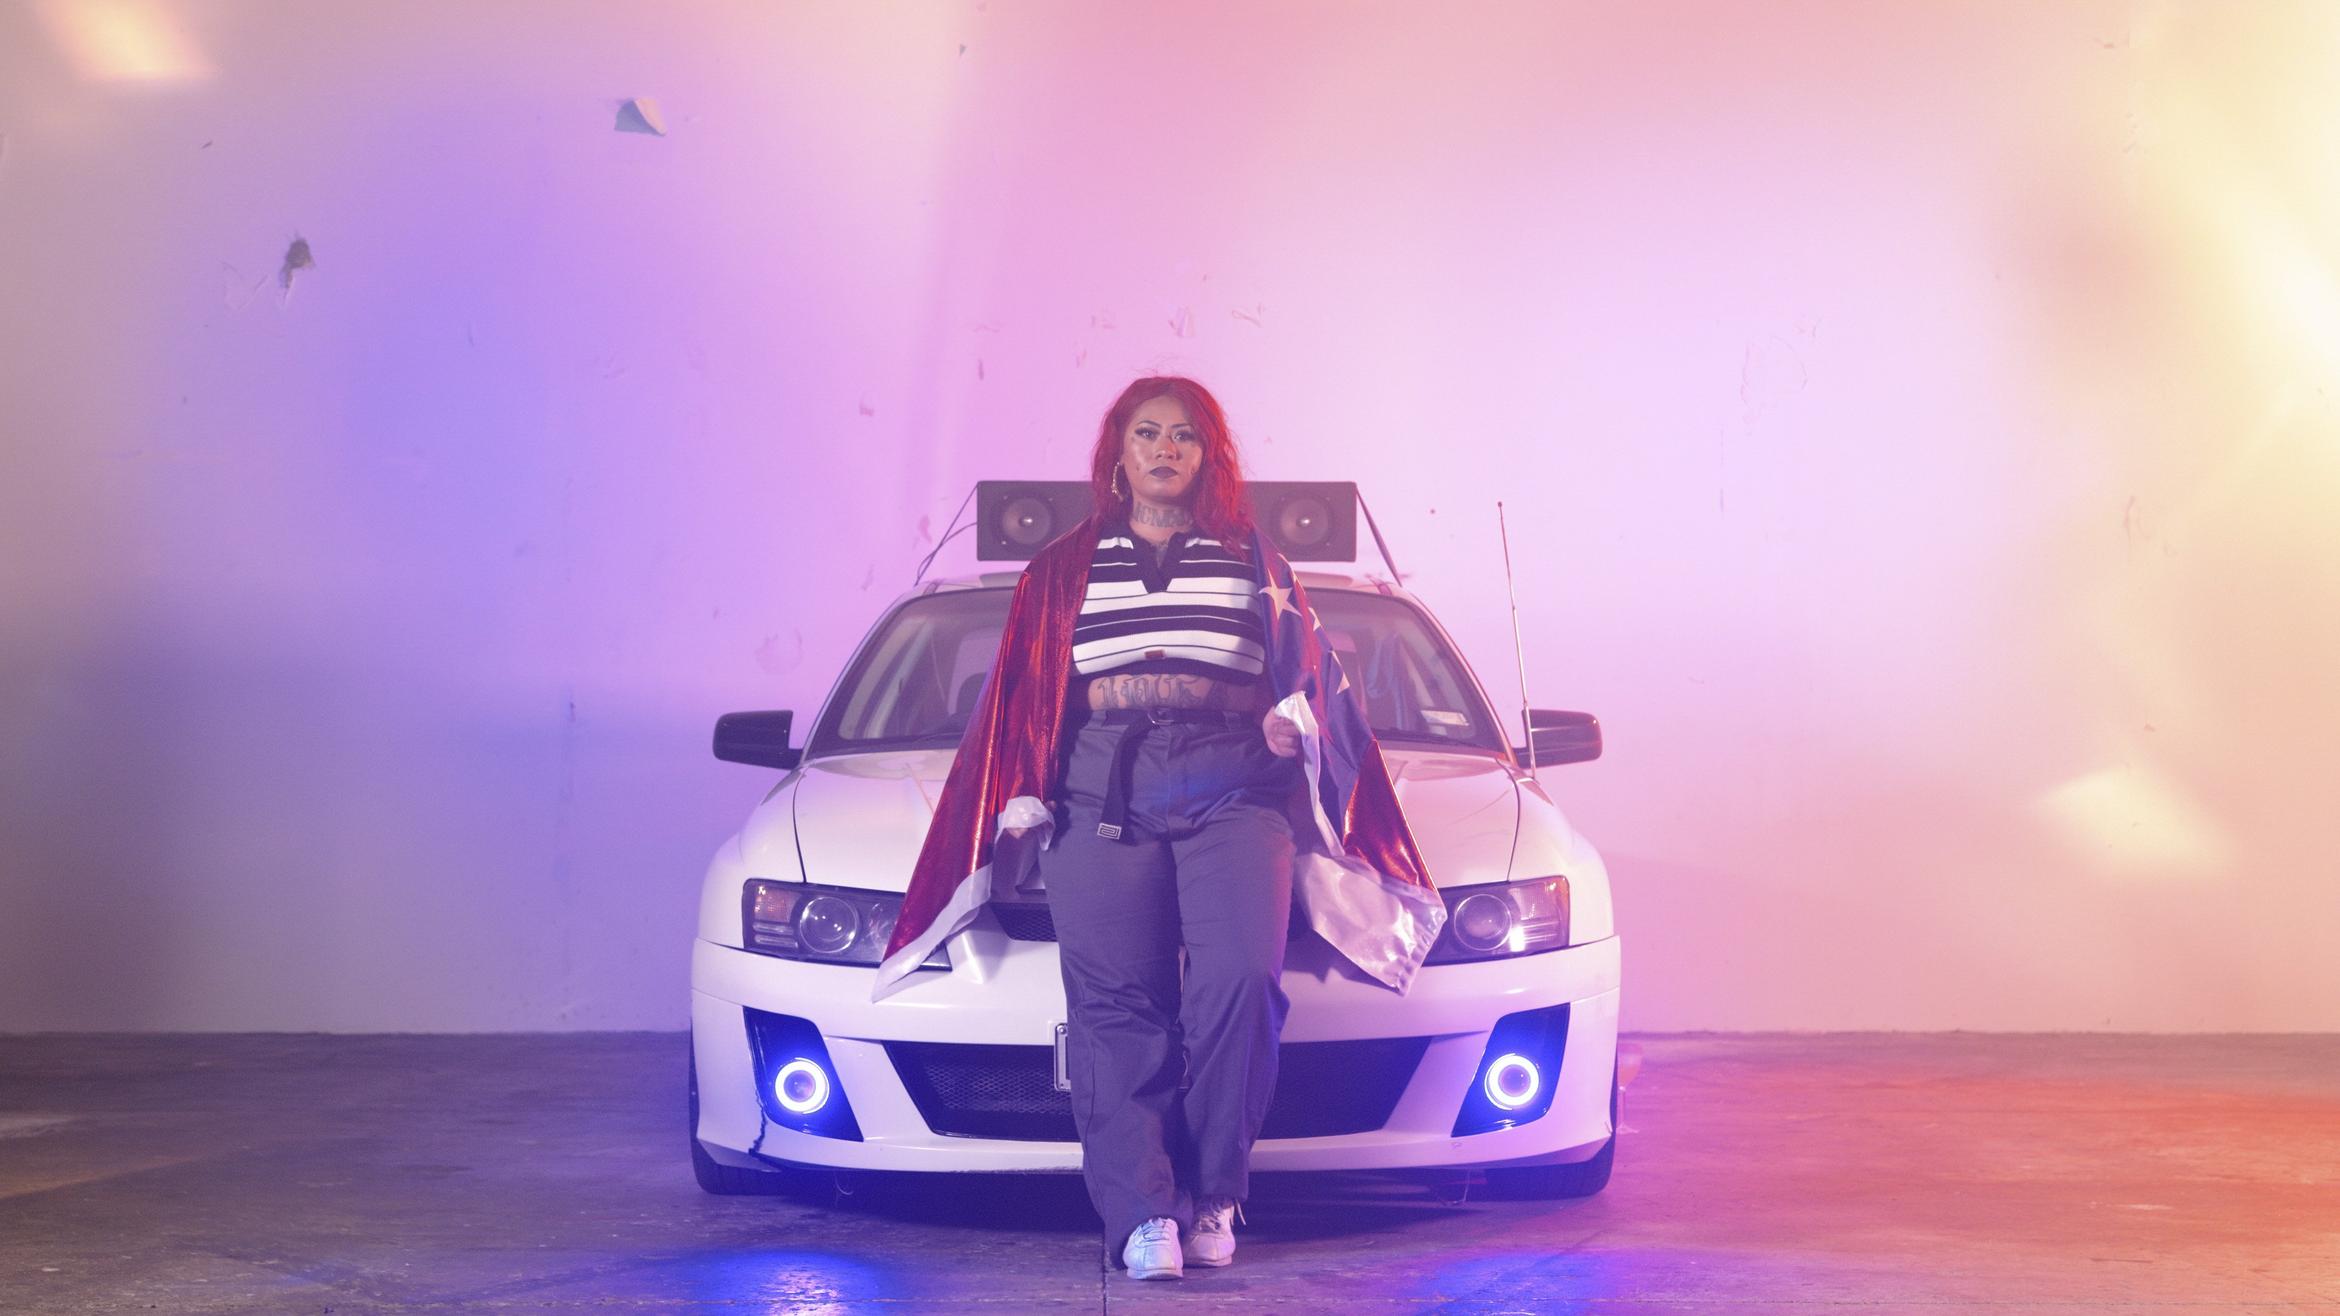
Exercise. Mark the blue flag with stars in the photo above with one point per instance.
(1360, 879)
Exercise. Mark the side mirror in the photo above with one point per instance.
(1560, 736)
(757, 738)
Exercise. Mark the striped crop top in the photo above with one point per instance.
(1190, 610)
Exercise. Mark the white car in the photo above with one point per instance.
(1501, 1056)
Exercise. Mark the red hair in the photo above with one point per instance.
(1221, 502)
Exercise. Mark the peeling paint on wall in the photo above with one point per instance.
(296, 259)
(640, 115)
(1771, 371)
(236, 294)
(776, 658)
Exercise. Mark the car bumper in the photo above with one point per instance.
(1004, 992)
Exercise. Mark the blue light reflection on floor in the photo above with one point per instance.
(1491, 1273)
(793, 1280)
(1583, 1274)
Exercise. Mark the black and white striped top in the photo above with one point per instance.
(1192, 610)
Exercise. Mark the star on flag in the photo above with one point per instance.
(1279, 601)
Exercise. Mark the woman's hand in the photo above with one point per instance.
(1283, 734)
(1029, 810)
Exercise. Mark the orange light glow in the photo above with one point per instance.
(124, 41)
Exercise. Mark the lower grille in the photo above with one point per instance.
(1323, 1089)
(1025, 922)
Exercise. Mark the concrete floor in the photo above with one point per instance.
(1758, 1173)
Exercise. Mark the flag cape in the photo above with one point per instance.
(1357, 874)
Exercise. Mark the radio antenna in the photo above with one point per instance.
(1396, 576)
(1518, 650)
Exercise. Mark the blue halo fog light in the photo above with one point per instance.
(802, 1087)
(1512, 1081)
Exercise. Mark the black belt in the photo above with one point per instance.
(1135, 723)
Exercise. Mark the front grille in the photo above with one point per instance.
(1323, 1089)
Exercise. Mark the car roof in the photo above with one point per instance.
(1364, 582)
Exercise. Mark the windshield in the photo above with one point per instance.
(915, 681)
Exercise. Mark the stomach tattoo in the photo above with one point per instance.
(1159, 690)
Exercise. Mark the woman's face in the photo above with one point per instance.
(1161, 451)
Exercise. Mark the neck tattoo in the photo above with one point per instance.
(1175, 518)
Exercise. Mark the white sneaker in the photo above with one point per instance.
(1213, 1240)
(1152, 1250)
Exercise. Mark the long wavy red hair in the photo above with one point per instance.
(1221, 502)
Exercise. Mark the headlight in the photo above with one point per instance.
(832, 924)
(1513, 918)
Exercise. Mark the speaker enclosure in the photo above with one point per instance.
(1307, 520)
(1016, 518)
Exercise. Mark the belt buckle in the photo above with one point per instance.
(1160, 716)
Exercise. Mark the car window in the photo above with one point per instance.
(915, 680)
(1415, 691)
(917, 677)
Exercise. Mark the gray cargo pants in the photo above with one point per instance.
(1204, 861)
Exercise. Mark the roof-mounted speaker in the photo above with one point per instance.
(1308, 520)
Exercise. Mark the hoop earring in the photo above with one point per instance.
(1117, 481)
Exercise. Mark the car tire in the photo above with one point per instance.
(732, 1180)
(1575, 1179)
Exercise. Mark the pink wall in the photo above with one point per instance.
(1917, 423)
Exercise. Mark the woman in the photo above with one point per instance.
(1159, 713)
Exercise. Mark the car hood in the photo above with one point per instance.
(859, 819)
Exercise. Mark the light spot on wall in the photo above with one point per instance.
(124, 41)
(2133, 822)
